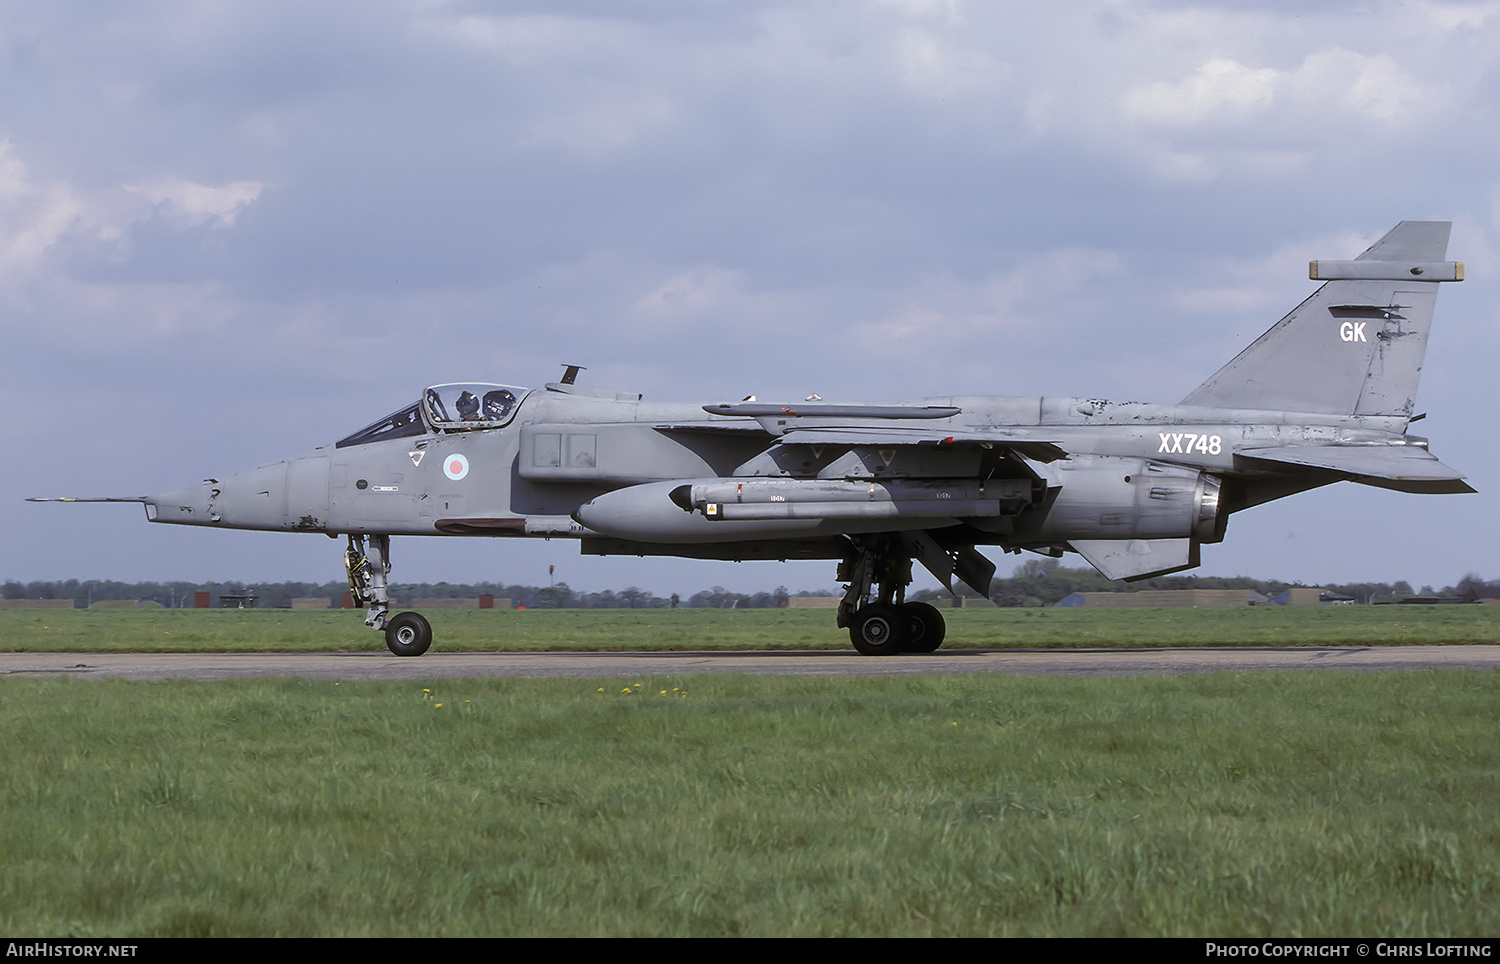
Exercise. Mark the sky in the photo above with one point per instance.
(233, 231)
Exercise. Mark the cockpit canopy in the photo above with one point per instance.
(469, 405)
(457, 407)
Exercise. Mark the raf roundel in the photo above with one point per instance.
(455, 466)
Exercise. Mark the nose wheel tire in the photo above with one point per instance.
(878, 631)
(408, 634)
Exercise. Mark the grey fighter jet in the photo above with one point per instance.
(1325, 395)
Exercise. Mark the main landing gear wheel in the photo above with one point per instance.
(408, 634)
(878, 630)
(925, 628)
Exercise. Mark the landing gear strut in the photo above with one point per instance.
(887, 624)
(406, 634)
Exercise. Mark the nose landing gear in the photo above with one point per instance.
(406, 634)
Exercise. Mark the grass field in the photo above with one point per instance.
(1269, 804)
(1281, 804)
(198, 630)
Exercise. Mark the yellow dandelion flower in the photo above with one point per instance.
(437, 706)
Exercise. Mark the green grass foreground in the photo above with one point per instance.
(284, 630)
(1264, 804)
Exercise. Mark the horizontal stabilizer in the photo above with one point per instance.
(1132, 559)
(1405, 468)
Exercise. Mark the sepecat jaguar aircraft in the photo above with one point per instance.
(1135, 488)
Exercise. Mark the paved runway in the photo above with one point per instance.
(614, 666)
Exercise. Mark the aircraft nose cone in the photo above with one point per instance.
(287, 495)
(190, 505)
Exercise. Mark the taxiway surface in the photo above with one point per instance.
(439, 665)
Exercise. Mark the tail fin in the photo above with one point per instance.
(1356, 346)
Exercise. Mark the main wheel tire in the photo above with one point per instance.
(878, 630)
(408, 634)
(925, 627)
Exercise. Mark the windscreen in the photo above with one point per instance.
(400, 424)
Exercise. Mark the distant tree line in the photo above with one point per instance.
(1037, 582)
(1044, 582)
(279, 595)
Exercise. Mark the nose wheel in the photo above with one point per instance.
(408, 634)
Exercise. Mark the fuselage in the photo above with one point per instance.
(539, 472)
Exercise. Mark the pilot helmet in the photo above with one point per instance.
(498, 403)
(468, 406)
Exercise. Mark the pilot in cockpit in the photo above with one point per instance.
(497, 404)
(468, 407)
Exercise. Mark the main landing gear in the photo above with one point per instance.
(406, 634)
(888, 624)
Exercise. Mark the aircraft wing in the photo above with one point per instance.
(1405, 468)
(860, 426)
(1036, 449)
(746, 426)
(831, 410)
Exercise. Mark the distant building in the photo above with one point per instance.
(813, 602)
(463, 602)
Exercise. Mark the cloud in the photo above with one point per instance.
(691, 294)
(33, 215)
(1004, 316)
(38, 215)
(1218, 88)
(936, 67)
(1227, 117)
(1337, 83)
(189, 204)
